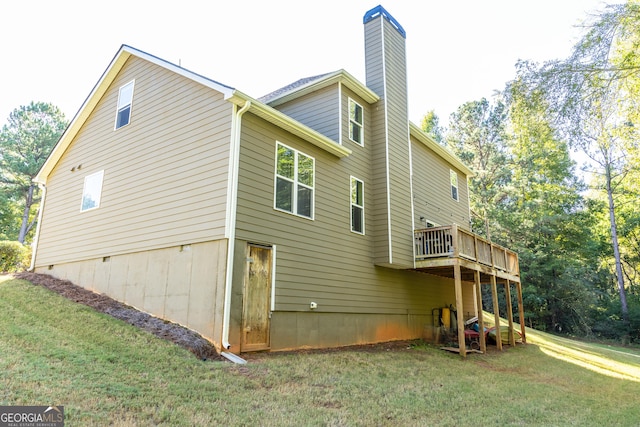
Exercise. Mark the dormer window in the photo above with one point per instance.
(356, 122)
(125, 98)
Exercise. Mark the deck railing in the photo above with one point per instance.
(451, 241)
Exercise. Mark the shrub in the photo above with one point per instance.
(14, 256)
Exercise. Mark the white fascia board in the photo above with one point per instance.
(225, 90)
(287, 123)
(116, 64)
(83, 113)
(441, 151)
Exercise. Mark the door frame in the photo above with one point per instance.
(266, 307)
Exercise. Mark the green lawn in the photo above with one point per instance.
(106, 372)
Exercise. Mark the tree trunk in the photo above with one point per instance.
(25, 215)
(616, 248)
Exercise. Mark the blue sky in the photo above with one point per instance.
(457, 50)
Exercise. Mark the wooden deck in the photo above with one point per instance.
(458, 254)
(437, 244)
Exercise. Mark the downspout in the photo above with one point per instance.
(36, 238)
(232, 203)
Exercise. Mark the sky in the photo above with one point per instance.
(457, 50)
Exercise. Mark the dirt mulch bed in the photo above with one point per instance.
(164, 329)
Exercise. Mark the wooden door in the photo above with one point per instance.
(256, 303)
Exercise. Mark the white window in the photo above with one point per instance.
(356, 122)
(125, 98)
(453, 176)
(294, 182)
(92, 191)
(357, 205)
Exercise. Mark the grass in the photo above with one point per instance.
(106, 372)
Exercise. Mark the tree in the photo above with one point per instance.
(431, 125)
(8, 213)
(590, 96)
(628, 213)
(477, 136)
(25, 143)
(547, 219)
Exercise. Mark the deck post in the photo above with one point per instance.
(521, 311)
(475, 248)
(483, 339)
(460, 307)
(496, 311)
(507, 292)
(455, 240)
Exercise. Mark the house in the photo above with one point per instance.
(315, 216)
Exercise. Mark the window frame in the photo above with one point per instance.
(296, 184)
(353, 122)
(453, 181)
(122, 107)
(88, 188)
(353, 180)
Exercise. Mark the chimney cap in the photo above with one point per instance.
(380, 11)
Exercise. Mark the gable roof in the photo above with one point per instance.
(230, 94)
(311, 84)
(290, 87)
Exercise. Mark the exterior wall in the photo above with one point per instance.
(165, 173)
(319, 329)
(317, 110)
(184, 284)
(387, 76)
(321, 260)
(432, 190)
(158, 240)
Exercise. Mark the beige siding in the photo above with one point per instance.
(378, 144)
(165, 174)
(318, 110)
(321, 260)
(316, 329)
(386, 75)
(399, 148)
(432, 190)
(183, 284)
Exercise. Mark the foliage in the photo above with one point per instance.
(430, 124)
(546, 219)
(25, 142)
(605, 60)
(527, 188)
(609, 325)
(628, 215)
(9, 213)
(14, 256)
(592, 97)
(477, 135)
